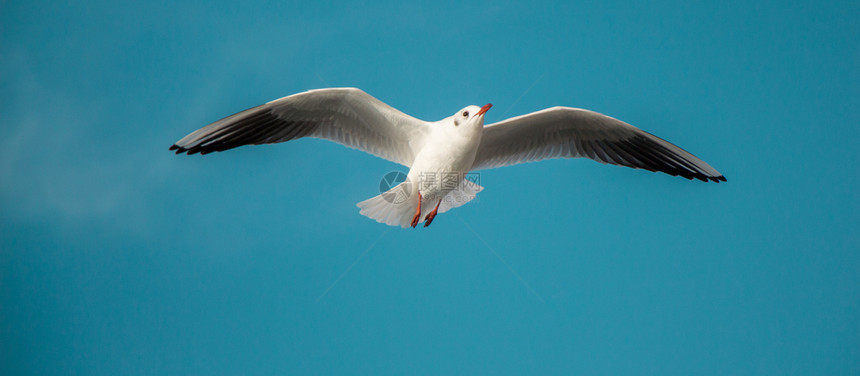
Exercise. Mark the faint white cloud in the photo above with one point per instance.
(48, 162)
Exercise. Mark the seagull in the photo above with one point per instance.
(440, 155)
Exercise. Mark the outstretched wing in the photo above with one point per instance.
(347, 116)
(563, 132)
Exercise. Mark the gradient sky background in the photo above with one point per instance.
(119, 257)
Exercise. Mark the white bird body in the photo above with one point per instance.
(440, 154)
(450, 150)
(439, 168)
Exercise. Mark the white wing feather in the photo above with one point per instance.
(347, 116)
(563, 132)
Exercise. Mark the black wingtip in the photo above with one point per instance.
(179, 149)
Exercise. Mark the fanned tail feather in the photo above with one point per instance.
(464, 193)
(395, 207)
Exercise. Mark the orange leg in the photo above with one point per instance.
(417, 215)
(429, 218)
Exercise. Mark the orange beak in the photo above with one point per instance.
(484, 109)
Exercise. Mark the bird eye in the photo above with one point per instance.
(465, 113)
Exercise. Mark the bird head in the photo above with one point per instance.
(471, 115)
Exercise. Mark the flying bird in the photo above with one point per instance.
(441, 154)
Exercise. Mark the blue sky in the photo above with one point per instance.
(118, 257)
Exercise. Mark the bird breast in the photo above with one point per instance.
(442, 163)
